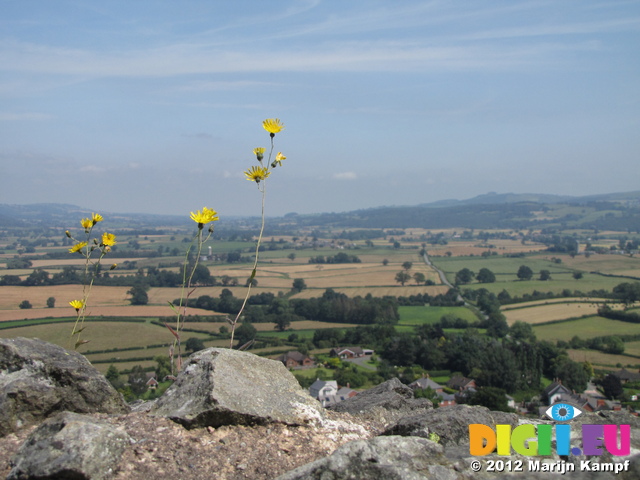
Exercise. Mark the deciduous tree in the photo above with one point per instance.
(402, 277)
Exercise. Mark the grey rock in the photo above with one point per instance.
(39, 379)
(451, 424)
(219, 387)
(70, 446)
(390, 458)
(390, 395)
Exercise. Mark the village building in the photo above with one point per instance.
(295, 359)
(348, 352)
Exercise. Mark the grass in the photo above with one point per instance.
(601, 359)
(585, 328)
(498, 264)
(429, 315)
(102, 335)
(557, 284)
(551, 312)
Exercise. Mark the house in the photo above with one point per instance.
(626, 376)
(342, 394)
(426, 382)
(347, 352)
(152, 382)
(459, 383)
(346, 392)
(323, 388)
(295, 359)
(585, 403)
(554, 391)
(447, 399)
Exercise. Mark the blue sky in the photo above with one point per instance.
(155, 106)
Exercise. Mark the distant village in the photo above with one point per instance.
(329, 392)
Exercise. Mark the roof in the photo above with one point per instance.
(356, 350)
(554, 387)
(459, 382)
(345, 392)
(293, 355)
(425, 383)
(624, 374)
(320, 384)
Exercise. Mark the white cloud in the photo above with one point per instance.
(12, 117)
(345, 176)
(92, 169)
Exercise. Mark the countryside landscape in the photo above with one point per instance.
(514, 291)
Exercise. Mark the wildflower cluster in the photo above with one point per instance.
(202, 218)
(259, 173)
(93, 249)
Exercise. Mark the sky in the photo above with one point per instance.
(156, 106)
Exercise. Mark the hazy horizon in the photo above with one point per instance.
(155, 107)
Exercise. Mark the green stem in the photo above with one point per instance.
(255, 263)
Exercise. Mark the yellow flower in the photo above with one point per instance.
(108, 239)
(77, 304)
(77, 247)
(207, 215)
(272, 125)
(256, 174)
(259, 153)
(86, 223)
(278, 160)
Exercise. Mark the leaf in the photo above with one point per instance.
(173, 307)
(253, 274)
(172, 331)
(81, 342)
(77, 332)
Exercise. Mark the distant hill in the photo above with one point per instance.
(63, 216)
(493, 198)
(615, 211)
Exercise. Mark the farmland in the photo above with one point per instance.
(308, 254)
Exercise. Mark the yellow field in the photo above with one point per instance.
(11, 296)
(632, 348)
(101, 335)
(601, 359)
(550, 301)
(104, 301)
(548, 313)
(553, 311)
(500, 246)
(377, 291)
(613, 264)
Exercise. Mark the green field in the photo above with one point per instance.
(411, 316)
(499, 265)
(584, 328)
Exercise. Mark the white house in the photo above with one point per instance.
(323, 388)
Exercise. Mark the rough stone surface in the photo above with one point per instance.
(39, 379)
(262, 448)
(226, 387)
(451, 424)
(391, 458)
(70, 446)
(386, 402)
